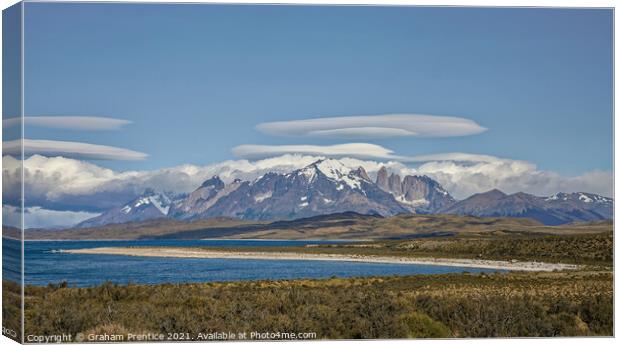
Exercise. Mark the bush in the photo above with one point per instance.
(420, 325)
(436, 306)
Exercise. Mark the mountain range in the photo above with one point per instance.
(329, 186)
(560, 208)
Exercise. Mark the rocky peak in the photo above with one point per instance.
(419, 193)
(382, 179)
(214, 182)
(394, 184)
(361, 172)
(331, 167)
(492, 194)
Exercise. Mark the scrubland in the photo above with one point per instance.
(436, 306)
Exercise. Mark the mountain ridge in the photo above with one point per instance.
(149, 205)
(560, 208)
(328, 186)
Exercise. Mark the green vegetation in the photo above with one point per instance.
(593, 249)
(419, 325)
(454, 305)
(11, 310)
(585, 249)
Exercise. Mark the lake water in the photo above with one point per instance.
(44, 264)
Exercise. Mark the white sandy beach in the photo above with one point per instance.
(206, 254)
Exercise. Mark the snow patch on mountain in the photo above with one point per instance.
(415, 203)
(336, 171)
(580, 196)
(160, 201)
(585, 198)
(261, 197)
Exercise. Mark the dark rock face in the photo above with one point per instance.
(558, 209)
(419, 194)
(382, 179)
(395, 185)
(361, 172)
(213, 183)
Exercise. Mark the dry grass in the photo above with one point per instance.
(454, 305)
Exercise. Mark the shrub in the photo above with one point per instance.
(420, 325)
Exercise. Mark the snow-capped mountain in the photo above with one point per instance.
(587, 198)
(326, 186)
(557, 209)
(149, 205)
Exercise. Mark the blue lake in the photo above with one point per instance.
(44, 264)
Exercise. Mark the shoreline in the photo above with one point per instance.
(197, 239)
(206, 254)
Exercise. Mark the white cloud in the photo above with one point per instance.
(68, 122)
(37, 217)
(358, 150)
(70, 149)
(375, 126)
(57, 183)
(462, 174)
(452, 156)
(511, 176)
(63, 183)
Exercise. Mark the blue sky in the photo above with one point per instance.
(195, 80)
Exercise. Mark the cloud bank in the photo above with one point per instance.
(69, 149)
(59, 183)
(96, 123)
(374, 126)
(511, 176)
(356, 150)
(68, 184)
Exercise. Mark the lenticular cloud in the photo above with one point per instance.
(93, 123)
(70, 149)
(375, 126)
